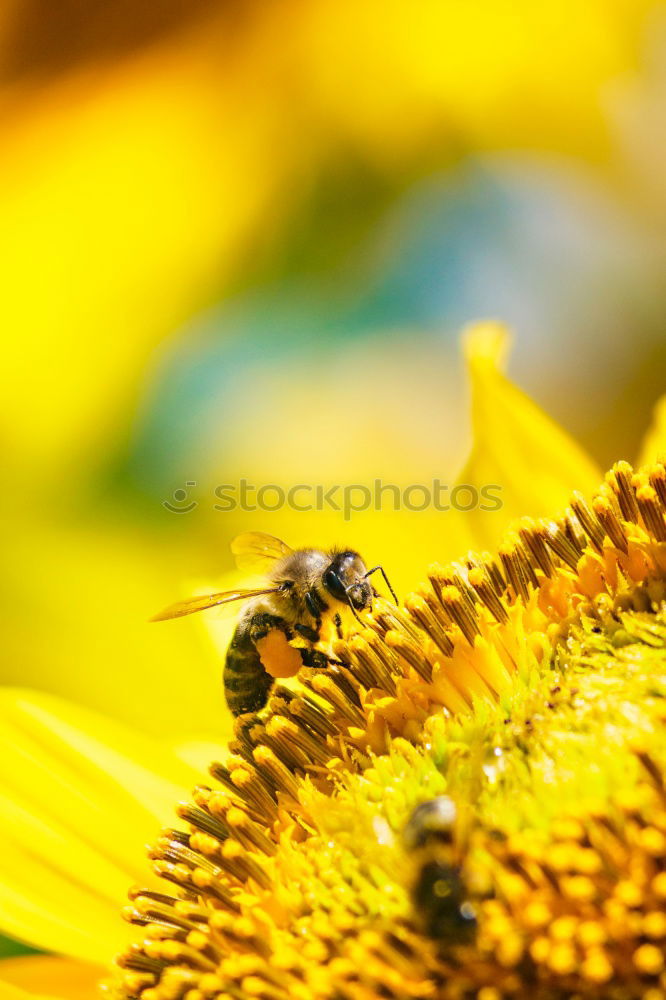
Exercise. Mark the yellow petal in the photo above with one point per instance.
(516, 446)
(42, 977)
(654, 443)
(98, 586)
(198, 753)
(80, 797)
(9, 992)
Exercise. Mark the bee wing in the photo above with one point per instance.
(193, 604)
(255, 550)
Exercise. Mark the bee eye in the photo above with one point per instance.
(333, 584)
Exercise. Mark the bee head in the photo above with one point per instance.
(431, 820)
(345, 579)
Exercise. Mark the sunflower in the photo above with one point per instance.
(471, 804)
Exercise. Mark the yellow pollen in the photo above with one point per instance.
(596, 967)
(649, 959)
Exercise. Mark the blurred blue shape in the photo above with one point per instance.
(533, 245)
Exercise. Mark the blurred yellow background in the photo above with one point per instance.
(240, 240)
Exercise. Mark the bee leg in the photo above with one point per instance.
(338, 626)
(247, 683)
(264, 623)
(320, 661)
(315, 606)
(311, 634)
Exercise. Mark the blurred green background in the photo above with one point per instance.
(239, 241)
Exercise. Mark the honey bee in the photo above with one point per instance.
(303, 586)
(439, 893)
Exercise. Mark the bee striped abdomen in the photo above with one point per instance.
(246, 683)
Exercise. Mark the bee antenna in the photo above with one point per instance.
(386, 580)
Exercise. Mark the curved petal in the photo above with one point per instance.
(80, 797)
(97, 586)
(517, 447)
(9, 992)
(653, 447)
(46, 977)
